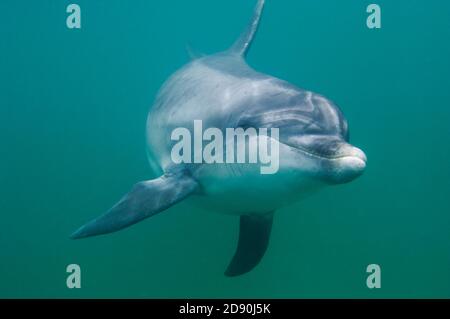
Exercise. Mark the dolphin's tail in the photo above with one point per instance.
(242, 45)
(144, 200)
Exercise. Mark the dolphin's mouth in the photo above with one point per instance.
(340, 164)
(344, 152)
(337, 167)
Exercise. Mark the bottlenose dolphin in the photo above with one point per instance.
(223, 91)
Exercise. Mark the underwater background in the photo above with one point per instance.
(73, 107)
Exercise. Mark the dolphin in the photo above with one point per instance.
(223, 91)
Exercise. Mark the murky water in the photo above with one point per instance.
(73, 107)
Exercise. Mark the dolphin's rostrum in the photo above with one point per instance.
(223, 92)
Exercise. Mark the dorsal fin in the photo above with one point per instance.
(242, 45)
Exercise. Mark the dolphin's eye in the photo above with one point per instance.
(245, 124)
(345, 130)
(331, 117)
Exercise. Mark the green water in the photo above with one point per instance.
(73, 106)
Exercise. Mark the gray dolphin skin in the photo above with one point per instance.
(223, 91)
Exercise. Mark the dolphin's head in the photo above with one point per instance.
(314, 136)
(318, 131)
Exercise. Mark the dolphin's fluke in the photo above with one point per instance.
(144, 200)
(242, 45)
(254, 235)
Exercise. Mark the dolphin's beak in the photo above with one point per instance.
(350, 163)
(347, 150)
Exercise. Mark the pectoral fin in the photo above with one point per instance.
(254, 235)
(144, 200)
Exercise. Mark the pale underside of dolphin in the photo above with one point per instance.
(224, 92)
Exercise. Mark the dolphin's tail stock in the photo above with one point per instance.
(243, 44)
(254, 235)
(145, 200)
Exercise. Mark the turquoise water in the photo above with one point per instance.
(73, 106)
